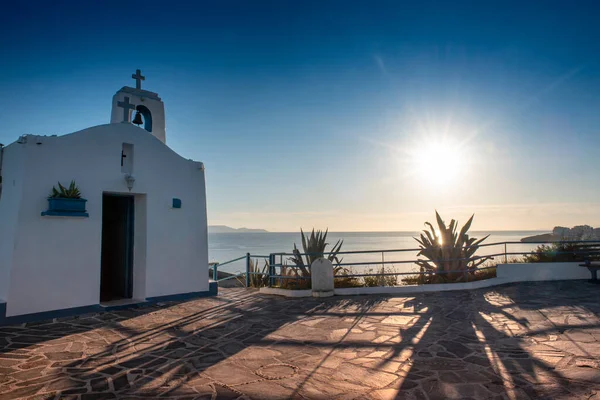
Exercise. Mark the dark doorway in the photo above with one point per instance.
(117, 248)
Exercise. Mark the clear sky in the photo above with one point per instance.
(349, 115)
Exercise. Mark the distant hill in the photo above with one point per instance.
(544, 237)
(228, 229)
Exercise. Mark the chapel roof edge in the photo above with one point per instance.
(140, 92)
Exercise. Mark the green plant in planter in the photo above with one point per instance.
(71, 192)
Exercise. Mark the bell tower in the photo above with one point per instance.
(140, 107)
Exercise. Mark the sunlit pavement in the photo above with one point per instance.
(512, 342)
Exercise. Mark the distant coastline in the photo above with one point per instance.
(228, 229)
(544, 237)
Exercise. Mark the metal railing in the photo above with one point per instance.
(246, 274)
(278, 261)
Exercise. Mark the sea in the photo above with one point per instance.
(223, 247)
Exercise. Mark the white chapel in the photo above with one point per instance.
(137, 233)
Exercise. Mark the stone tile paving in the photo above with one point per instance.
(523, 341)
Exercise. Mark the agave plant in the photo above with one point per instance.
(314, 247)
(293, 278)
(259, 277)
(448, 252)
(71, 192)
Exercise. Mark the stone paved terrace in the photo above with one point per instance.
(522, 341)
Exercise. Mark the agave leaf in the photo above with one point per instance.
(420, 240)
(303, 239)
(452, 227)
(325, 238)
(432, 238)
(480, 261)
(55, 193)
(298, 260)
(481, 240)
(441, 225)
(427, 240)
(467, 226)
(333, 256)
(304, 246)
(433, 232)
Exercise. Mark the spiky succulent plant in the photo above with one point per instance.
(314, 247)
(259, 277)
(71, 192)
(449, 254)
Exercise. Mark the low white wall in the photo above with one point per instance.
(442, 287)
(524, 272)
(506, 273)
(286, 292)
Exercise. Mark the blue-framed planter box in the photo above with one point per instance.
(60, 207)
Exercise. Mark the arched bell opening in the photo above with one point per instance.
(144, 116)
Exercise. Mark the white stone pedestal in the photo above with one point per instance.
(321, 272)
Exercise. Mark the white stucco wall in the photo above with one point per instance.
(55, 262)
(10, 199)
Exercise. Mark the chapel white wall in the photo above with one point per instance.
(10, 199)
(140, 247)
(56, 260)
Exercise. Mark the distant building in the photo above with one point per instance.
(579, 232)
(141, 235)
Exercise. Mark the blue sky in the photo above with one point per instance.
(324, 113)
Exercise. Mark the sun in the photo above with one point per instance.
(437, 162)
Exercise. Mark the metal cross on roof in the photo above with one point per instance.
(126, 107)
(138, 78)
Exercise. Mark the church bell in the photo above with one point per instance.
(138, 119)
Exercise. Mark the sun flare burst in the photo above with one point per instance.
(437, 162)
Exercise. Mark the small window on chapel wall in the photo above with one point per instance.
(127, 158)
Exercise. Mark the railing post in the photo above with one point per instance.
(215, 273)
(247, 270)
(505, 254)
(271, 269)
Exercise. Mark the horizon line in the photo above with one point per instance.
(379, 231)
